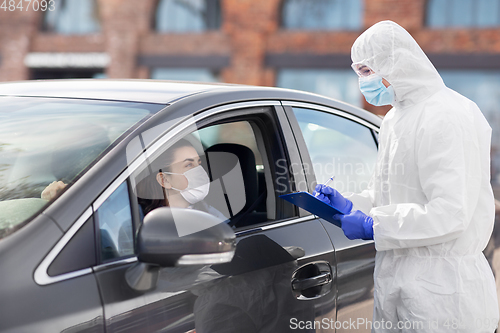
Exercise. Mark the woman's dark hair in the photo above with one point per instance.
(150, 194)
(167, 158)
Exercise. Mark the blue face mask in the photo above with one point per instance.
(374, 90)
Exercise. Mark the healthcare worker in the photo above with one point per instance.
(429, 206)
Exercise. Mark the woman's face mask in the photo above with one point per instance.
(375, 92)
(198, 184)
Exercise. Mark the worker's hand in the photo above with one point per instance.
(356, 225)
(52, 190)
(332, 197)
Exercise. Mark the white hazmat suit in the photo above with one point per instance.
(430, 197)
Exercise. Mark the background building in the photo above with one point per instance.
(301, 44)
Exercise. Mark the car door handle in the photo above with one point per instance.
(316, 281)
(312, 280)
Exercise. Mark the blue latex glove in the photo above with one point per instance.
(332, 197)
(356, 225)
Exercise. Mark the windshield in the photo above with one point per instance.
(46, 141)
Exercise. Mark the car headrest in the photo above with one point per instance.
(222, 164)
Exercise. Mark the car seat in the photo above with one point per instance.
(220, 165)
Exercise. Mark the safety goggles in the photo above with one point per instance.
(361, 69)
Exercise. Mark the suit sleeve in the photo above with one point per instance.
(363, 201)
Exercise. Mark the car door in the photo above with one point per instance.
(54, 292)
(282, 274)
(337, 143)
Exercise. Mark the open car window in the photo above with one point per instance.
(233, 159)
(46, 141)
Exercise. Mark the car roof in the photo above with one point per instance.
(166, 92)
(147, 91)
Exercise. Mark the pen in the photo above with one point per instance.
(327, 183)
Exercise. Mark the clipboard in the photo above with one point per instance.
(312, 204)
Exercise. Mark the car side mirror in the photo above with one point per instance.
(178, 237)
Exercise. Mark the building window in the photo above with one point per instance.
(72, 17)
(66, 73)
(185, 74)
(187, 15)
(66, 65)
(322, 14)
(482, 87)
(334, 83)
(463, 13)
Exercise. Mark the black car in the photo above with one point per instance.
(88, 243)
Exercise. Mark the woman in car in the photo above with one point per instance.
(180, 181)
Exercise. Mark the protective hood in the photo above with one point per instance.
(390, 51)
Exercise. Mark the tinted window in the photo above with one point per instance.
(72, 17)
(187, 15)
(338, 147)
(322, 14)
(115, 225)
(463, 13)
(79, 253)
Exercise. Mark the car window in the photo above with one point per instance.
(115, 230)
(233, 157)
(236, 144)
(78, 254)
(46, 144)
(338, 147)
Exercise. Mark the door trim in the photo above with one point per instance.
(331, 110)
